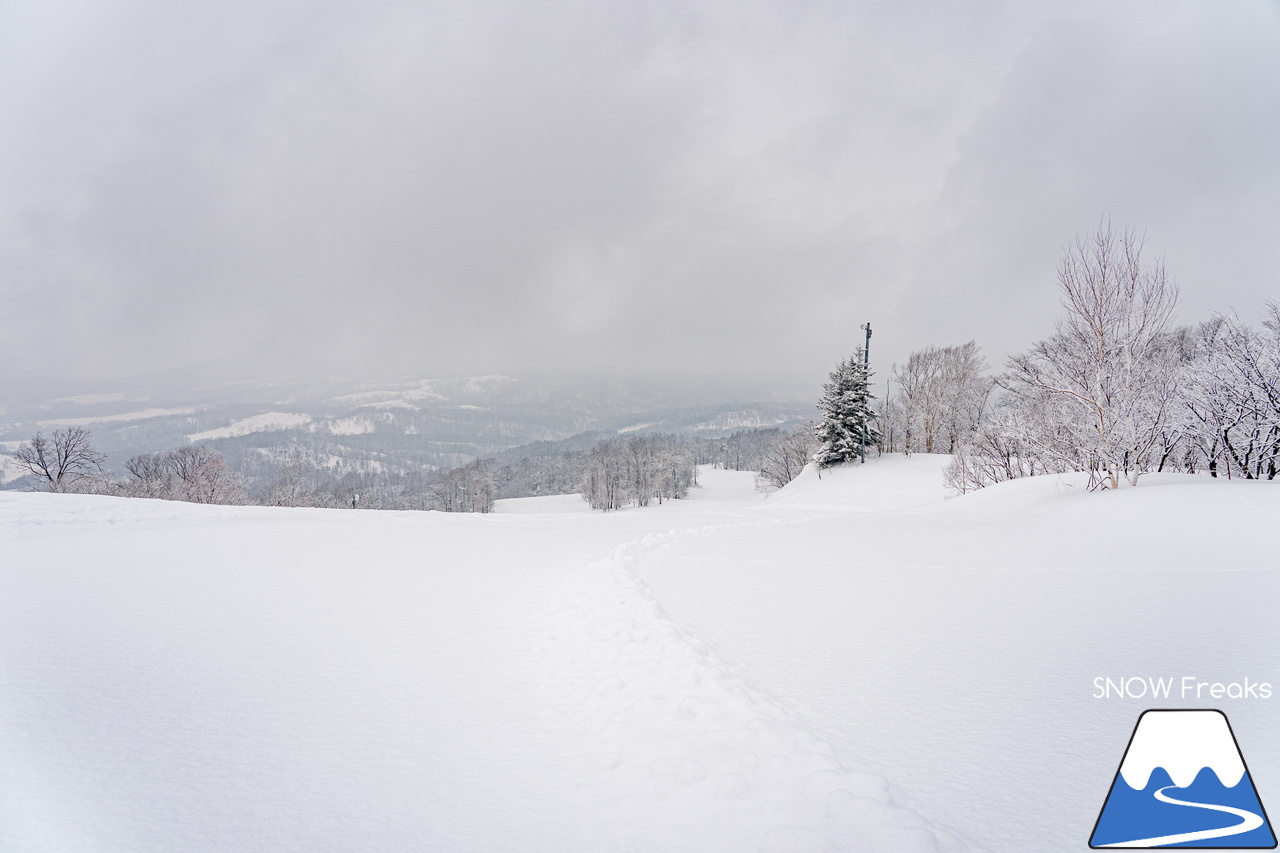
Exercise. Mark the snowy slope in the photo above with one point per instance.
(880, 484)
(852, 663)
(953, 646)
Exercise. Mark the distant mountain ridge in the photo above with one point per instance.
(410, 424)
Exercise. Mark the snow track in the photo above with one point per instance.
(670, 742)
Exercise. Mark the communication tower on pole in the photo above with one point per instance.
(866, 361)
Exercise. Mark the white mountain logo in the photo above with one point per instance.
(1183, 783)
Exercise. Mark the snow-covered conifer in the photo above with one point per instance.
(847, 425)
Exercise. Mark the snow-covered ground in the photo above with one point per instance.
(853, 663)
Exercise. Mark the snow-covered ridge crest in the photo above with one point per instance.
(1183, 743)
(265, 422)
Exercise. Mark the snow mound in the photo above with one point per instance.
(882, 483)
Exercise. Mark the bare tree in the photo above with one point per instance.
(63, 462)
(640, 470)
(1231, 395)
(205, 477)
(1106, 363)
(293, 487)
(149, 477)
(785, 457)
(942, 394)
(1022, 438)
(604, 476)
(466, 489)
(196, 474)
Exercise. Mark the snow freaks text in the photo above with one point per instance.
(1184, 687)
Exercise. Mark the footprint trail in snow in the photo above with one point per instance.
(673, 749)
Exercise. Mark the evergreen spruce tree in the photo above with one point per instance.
(848, 421)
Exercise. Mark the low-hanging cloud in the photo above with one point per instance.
(635, 187)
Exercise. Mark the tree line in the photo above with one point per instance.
(640, 470)
(68, 461)
(615, 472)
(1116, 391)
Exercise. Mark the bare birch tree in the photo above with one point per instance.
(640, 470)
(942, 394)
(1106, 362)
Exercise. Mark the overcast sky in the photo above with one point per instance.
(463, 187)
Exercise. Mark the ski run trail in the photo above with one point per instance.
(853, 663)
(654, 712)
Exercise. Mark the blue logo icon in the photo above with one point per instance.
(1183, 783)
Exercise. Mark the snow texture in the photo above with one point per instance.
(852, 664)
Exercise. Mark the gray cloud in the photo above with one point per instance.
(633, 187)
